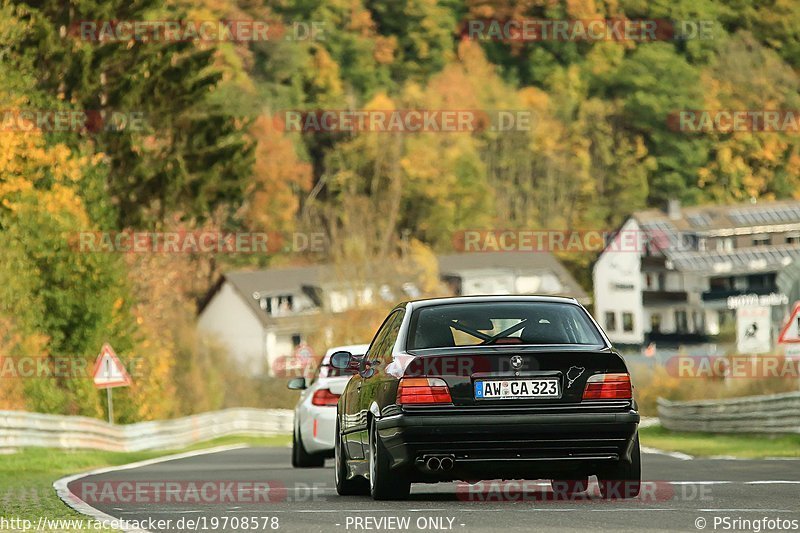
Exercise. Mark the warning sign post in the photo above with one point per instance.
(109, 373)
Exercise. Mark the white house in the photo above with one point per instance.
(261, 312)
(686, 275)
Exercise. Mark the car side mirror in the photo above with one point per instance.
(342, 360)
(297, 383)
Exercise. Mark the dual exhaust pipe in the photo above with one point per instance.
(439, 463)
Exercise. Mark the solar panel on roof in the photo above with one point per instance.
(656, 224)
(742, 259)
(700, 220)
(766, 214)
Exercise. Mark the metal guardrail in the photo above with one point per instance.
(20, 429)
(776, 413)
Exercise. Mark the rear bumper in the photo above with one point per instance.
(317, 428)
(518, 445)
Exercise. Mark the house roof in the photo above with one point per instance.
(251, 285)
(743, 260)
(274, 280)
(518, 262)
(720, 220)
(723, 221)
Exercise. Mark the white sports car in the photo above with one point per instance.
(315, 413)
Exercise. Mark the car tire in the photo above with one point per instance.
(345, 487)
(567, 487)
(625, 479)
(301, 458)
(384, 483)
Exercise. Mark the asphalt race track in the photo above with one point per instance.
(683, 495)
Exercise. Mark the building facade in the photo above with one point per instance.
(698, 275)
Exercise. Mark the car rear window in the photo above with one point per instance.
(474, 324)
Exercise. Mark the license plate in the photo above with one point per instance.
(509, 389)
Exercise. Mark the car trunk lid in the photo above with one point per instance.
(506, 368)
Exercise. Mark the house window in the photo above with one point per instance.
(296, 340)
(720, 284)
(761, 281)
(698, 322)
(655, 323)
(277, 305)
(285, 303)
(681, 322)
(627, 322)
(724, 244)
(793, 238)
(654, 282)
(761, 240)
(611, 321)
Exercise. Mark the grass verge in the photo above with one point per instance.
(710, 444)
(26, 477)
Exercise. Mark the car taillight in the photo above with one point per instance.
(325, 397)
(423, 390)
(608, 387)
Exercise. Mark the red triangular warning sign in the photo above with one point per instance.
(791, 330)
(108, 370)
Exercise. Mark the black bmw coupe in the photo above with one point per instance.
(488, 387)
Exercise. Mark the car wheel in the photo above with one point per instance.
(301, 458)
(384, 484)
(567, 487)
(345, 487)
(624, 480)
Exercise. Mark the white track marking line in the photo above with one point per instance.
(777, 482)
(674, 455)
(71, 499)
(732, 458)
(686, 457)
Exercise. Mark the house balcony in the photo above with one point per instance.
(724, 294)
(654, 263)
(676, 339)
(662, 297)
